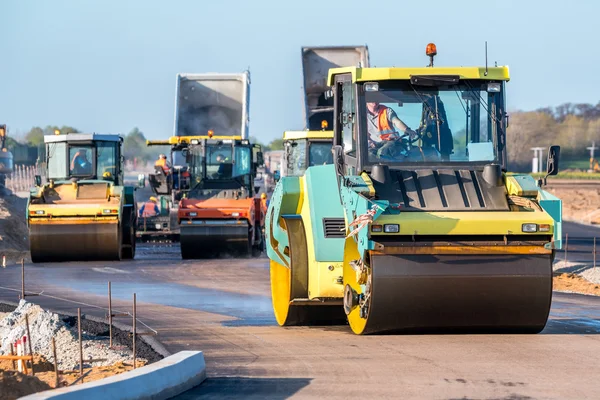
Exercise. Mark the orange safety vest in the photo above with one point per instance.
(149, 209)
(385, 130)
(162, 163)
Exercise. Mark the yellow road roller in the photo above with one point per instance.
(83, 211)
(417, 226)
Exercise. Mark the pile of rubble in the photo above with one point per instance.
(44, 326)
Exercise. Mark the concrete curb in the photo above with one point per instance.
(161, 380)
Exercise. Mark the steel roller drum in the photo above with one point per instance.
(209, 238)
(459, 293)
(75, 242)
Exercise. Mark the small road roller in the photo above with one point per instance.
(83, 211)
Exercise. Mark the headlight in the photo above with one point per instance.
(376, 228)
(39, 212)
(157, 226)
(371, 87)
(529, 228)
(544, 228)
(493, 87)
(391, 228)
(192, 214)
(235, 214)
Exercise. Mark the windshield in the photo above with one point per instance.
(107, 160)
(220, 163)
(320, 154)
(296, 157)
(452, 123)
(57, 161)
(80, 164)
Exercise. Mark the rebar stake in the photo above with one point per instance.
(29, 340)
(22, 279)
(80, 343)
(566, 247)
(134, 318)
(110, 316)
(55, 363)
(594, 251)
(12, 353)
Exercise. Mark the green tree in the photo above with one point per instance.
(35, 136)
(255, 140)
(134, 145)
(276, 144)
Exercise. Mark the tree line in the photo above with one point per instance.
(134, 143)
(571, 126)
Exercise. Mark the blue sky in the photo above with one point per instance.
(110, 65)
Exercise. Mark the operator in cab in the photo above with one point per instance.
(383, 125)
(80, 165)
(163, 163)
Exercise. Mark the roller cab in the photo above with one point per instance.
(83, 212)
(221, 213)
(437, 235)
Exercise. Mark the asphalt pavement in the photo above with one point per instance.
(223, 308)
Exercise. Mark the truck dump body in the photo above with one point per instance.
(316, 62)
(217, 102)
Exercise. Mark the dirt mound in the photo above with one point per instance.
(14, 384)
(579, 205)
(14, 241)
(574, 283)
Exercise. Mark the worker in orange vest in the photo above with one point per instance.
(163, 163)
(264, 201)
(150, 208)
(382, 123)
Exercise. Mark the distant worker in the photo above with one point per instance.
(80, 165)
(264, 201)
(382, 123)
(150, 208)
(163, 163)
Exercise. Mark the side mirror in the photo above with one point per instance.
(553, 158)
(260, 161)
(141, 181)
(338, 159)
(186, 154)
(38, 180)
(276, 176)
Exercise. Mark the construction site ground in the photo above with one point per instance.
(14, 384)
(223, 307)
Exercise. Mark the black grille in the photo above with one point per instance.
(334, 227)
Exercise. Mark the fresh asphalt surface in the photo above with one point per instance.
(223, 308)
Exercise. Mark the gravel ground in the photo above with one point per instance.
(585, 271)
(44, 325)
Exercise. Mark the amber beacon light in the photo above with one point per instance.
(431, 51)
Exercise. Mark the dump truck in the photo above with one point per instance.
(318, 108)
(417, 226)
(316, 62)
(6, 157)
(218, 210)
(84, 211)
